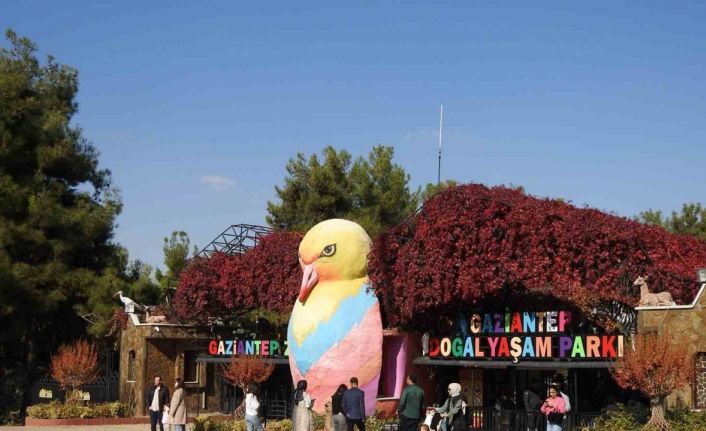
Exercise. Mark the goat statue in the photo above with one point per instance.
(648, 299)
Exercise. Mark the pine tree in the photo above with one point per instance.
(58, 260)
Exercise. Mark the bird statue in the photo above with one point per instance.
(129, 304)
(335, 331)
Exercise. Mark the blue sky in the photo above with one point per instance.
(196, 108)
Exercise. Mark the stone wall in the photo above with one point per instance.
(688, 325)
(161, 352)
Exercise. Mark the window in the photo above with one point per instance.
(700, 381)
(190, 366)
(131, 366)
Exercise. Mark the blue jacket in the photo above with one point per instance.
(353, 403)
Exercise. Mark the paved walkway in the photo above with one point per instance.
(140, 427)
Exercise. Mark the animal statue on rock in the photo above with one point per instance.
(335, 331)
(154, 318)
(648, 299)
(129, 304)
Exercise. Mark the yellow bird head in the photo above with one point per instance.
(334, 249)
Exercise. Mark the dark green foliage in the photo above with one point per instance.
(58, 260)
(691, 220)
(431, 189)
(627, 419)
(372, 191)
(176, 255)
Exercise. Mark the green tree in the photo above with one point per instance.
(372, 191)
(380, 191)
(57, 255)
(691, 220)
(176, 255)
(432, 189)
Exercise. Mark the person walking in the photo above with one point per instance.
(301, 412)
(561, 384)
(554, 409)
(353, 405)
(339, 418)
(177, 407)
(252, 420)
(452, 414)
(532, 403)
(411, 405)
(157, 398)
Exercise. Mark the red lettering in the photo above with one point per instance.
(434, 347)
(608, 347)
(213, 347)
(516, 325)
(504, 349)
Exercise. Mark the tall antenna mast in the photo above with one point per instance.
(441, 127)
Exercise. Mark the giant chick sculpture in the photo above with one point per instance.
(335, 331)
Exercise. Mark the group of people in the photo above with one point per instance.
(344, 412)
(162, 410)
(452, 415)
(553, 409)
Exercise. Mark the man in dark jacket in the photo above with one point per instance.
(532, 403)
(157, 398)
(411, 406)
(353, 404)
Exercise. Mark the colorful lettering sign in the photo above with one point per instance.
(248, 348)
(526, 335)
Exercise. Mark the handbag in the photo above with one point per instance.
(555, 418)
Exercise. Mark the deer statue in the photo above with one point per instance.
(652, 299)
(154, 319)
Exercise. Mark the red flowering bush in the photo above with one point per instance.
(473, 242)
(657, 366)
(198, 297)
(468, 246)
(74, 365)
(267, 276)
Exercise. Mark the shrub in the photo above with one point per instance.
(283, 425)
(686, 420)
(204, 423)
(56, 410)
(319, 421)
(620, 419)
(374, 423)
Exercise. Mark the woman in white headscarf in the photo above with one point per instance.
(453, 410)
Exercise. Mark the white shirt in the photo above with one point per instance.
(155, 400)
(567, 403)
(251, 405)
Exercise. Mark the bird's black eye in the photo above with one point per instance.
(328, 251)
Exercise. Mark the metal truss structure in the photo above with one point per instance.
(236, 239)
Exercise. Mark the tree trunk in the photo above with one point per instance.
(239, 412)
(657, 419)
(30, 367)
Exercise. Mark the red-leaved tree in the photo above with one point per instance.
(468, 244)
(656, 367)
(243, 371)
(267, 276)
(74, 365)
(473, 242)
(198, 298)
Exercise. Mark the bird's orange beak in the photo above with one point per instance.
(309, 280)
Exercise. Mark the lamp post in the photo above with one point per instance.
(701, 275)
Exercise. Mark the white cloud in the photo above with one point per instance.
(217, 182)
